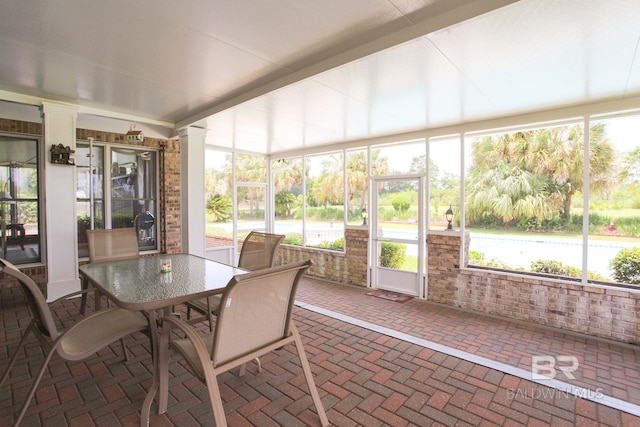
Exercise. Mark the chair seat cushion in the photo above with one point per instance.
(186, 348)
(99, 330)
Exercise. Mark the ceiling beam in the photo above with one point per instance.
(82, 109)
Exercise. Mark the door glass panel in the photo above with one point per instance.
(133, 193)
(398, 256)
(397, 224)
(89, 179)
(398, 209)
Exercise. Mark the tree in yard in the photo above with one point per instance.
(219, 206)
(285, 202)
(357, 176)
(535, 174)
(329, 187)
(252, 169)
(630, 172)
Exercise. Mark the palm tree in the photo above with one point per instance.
(287, 174)
(252, 169)
(535, 174)
(358, 178)
(329, 187)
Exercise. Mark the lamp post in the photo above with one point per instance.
(449, 215)
(364, 215)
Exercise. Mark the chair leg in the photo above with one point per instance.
(124, 350)
(83, 298)
(215, 398)
(210, 315)
(5, 375)
(243, 367)
(34, 386)
(306, 368)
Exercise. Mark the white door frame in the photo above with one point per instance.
(406, 282)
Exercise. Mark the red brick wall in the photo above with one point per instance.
(602, 311)
(169, 180)
(349, 267)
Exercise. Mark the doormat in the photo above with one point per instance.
(391, 296)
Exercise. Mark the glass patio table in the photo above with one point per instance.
(139, 284)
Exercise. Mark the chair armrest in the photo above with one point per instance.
(71, 295)
(191, 334)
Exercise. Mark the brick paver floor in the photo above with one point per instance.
(376, 363)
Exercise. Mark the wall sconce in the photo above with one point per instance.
(364, 215)
(449, 215)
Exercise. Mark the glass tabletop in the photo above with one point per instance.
(141, 284)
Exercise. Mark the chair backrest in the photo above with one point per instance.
(259, 250)
(255, 310)
(35, 299)
(112, 244)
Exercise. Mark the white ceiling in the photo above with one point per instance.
(274, 76)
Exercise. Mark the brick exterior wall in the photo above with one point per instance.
(602, 311)
(169, 182)
(349, 267)
(356, 240)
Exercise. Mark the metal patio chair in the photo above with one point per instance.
(84, 338)
(258, 252)
(109, 245)
(254, 318)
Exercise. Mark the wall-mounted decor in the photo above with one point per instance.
(134, 135)
(62, 155)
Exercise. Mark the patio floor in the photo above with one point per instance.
(376, 362)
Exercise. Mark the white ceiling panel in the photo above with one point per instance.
(528, 56)
(278, 76)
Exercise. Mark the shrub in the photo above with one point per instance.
(220, 207)
(626, 266)
(554, 267)
(486, 221)
(477, 258)
(630, 226)
(336, 245)
(386, 214)
(293, 239)
(401, 202)
(392, 255)
(575, 224)
(558, 268)
(598, 219)
(284, 204)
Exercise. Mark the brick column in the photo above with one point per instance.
(356, 241)
(443, 263)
